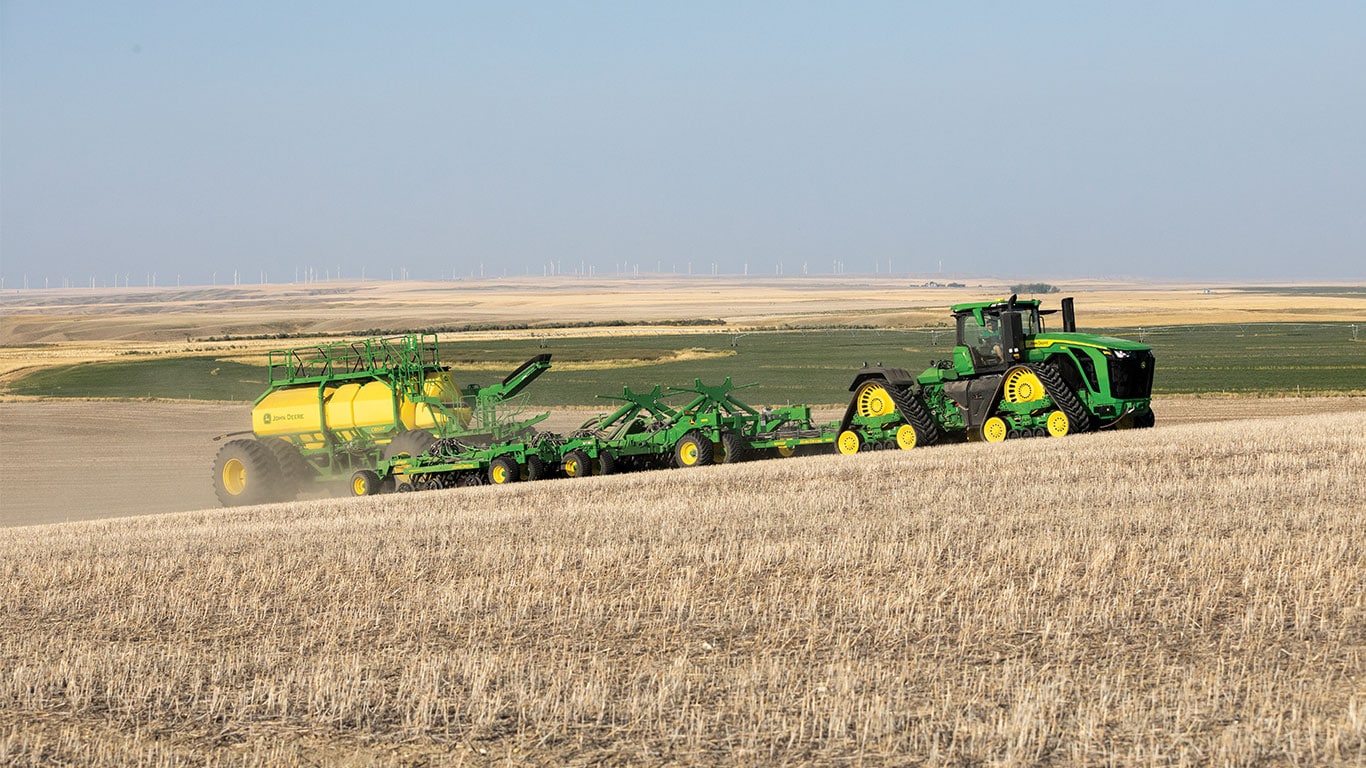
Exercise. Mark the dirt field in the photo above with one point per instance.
(80, 460)
(1181, 596)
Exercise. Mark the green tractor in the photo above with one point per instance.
(1008, 378)
(334, 410)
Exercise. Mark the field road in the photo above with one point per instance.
(63, 461)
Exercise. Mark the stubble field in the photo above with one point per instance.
(1186, 595)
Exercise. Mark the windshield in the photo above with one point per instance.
(985, 341)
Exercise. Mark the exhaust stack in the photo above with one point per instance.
(1069, 316)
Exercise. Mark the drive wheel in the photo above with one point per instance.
(905, 437)
(365, 482)
(849, 442)
(1023, 386)
(1058, 424)
(245, 472)
(873, 399)
(787, 451)
(1145, 420)
(504, 470)
(577, 464)
(692, 450)
(994, 430)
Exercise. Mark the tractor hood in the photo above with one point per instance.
(1045, 340)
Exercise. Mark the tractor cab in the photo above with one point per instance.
(991, 335)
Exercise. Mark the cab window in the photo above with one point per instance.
(983, 341)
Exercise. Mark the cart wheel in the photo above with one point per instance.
(365, 482)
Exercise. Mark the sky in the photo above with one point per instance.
(171, 141)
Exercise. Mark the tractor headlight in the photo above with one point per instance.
(1121, 354)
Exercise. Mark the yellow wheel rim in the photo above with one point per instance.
(994, 431)
(687, 453)
(848, 442)
(874, 400)
(905, 437)
(571, 467)
(1058, 425)
(499, 474)
(358, 486)
(1022, 386)
(234, 476)
(787, 451)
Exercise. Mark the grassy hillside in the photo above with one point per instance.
(1182, 595)
(813, 366)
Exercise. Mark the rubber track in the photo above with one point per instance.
(1063, 396)
(915, 413)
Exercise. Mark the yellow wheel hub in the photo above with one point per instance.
(572, 468)
(874, 400)
(905, 437)
(1058, 424)
(787, 451)
(994, 430)
(358, 486)
(1022, 386)
(499, 474)
(848, 442)
(234, 476)
(687, 453)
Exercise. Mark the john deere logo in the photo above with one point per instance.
(265, 419)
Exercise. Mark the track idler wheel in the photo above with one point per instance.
(1058, 424)
(849, 442)
(994, 430)
(905, 437)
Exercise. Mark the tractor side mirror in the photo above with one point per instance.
(1012, 333)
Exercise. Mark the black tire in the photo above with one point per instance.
(413, 442)
(295, 473)
(577, 464)
(245, 472)
(538, 469)
(734, 448)
(608, 464)
(404, 488)
(504, 469)
(366, 482)
(914, 412)
(1145, 420)
(693, 449)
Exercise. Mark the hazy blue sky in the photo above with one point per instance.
(1163, 139)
